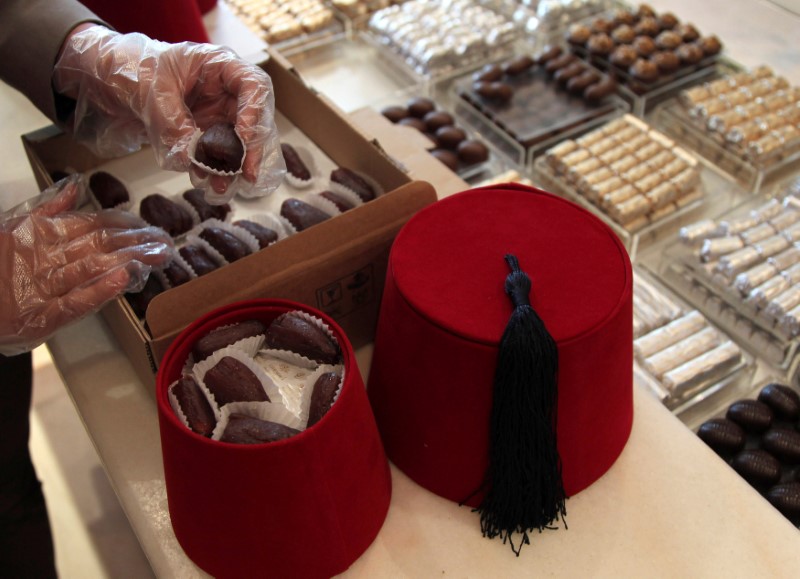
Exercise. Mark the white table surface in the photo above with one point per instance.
(667, 508)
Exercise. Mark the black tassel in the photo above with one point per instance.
(524, 488)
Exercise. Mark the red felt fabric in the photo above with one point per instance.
(444, 310)
(169, 21)
(304, 507)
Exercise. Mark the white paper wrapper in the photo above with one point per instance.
(176, 407)
(277, 223)
(215, 255)
(338, 187)
(245, 236)
(176, 257)
(665, 336)
(199, 371)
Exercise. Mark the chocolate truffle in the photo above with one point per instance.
(414, 123)
(594, 93)
(689, 53)
(434, 120)
(667, 20)
(577, 84)
(162, 212)
(579, 34)
(666, 61)
(108, 190)
(471, 152)
(668, 40)
(230, 380)
(563, 75)
(322, 396)
(560, 61)
(294, 164)
(226, 243)
(549, 52)
(450, 137)
(341, 203)
(420, 106)
(784, 401)
(494, 91)
(354, 182)
(176, 274)
(688, 32)
(302, 215)
(489, 73)
(644, 70)
(600, 44)
(752, 415)
(197, 199)
(222, 337)
(295, 333)
(644, 46)
(623, 34)
(623, 16)
(623, 56)
(198, 259)
(194, 406)
(645, 10)
(141, 299)
(783, 444)
(220, 148)
(394, 113)
(242, 429)
(710, 45)
(262, 233)
(518, 65)
(447, 157)
(647, 26)
(724, 436)
(602, 25)
(758, 467)
(786, 498)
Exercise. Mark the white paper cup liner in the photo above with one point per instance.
(347, 195)
(176, 257)
(215, 255)
(324, 205)
(275, 222)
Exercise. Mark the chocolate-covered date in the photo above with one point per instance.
(435, 120)
(325, 389)
(340, 202)
(141, 299)
(548, 53)
(293, 332)
(563, 75)
(302, 215)
(159, 211)
(494, 91)
(220, 148)
(758, 467)
(230, 247)
(294, 164)
(198, 259)
(489, 73)
(554, 64)
(108, 190)
(242, 429)
(784, 401)
(518, 65)
(783, 444)
(724, 436)
(197, 199)
(752, 415)
(577, 84)
(176, 274)
(354, 182)
(600, 90)
(194, 405)
(263, 234)
(229, 380)
(447, 157)
(420, 106)
(219, 338)
(786, 498)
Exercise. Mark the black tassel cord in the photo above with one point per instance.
(524, 488)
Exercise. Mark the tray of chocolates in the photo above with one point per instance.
(758, 435)
(435, 38)
(651, 54)
(746, 122)
(628, 173)
(743, 269)
(536, 100)
(208, 237)
(290, 25)
(679, 355)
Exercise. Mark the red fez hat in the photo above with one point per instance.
(504, 391)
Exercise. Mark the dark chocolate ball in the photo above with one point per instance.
(450, 137)
(472, 151)
(413, 122)
(420, 106)
(448, 158)
(489, 73)
(394, 113)
(434, 120)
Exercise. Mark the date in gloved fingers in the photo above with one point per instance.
(130, 90)
(58, 265)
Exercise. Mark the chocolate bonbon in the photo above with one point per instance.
(243, 429)
(354, 182)
(219, 338)
(230, 380)
(782, 443)
(758, 467)
(302, 215)
(325, 389)
(164, 213)
(220, 148)
(197, 199)
(198, 259)
(724, 436)
(786, 498)
(109, 191)
(784, 401)
(294, 164)
(226, 243)
(752, 415)
(194, 406)
(295, 333)
(263, 234)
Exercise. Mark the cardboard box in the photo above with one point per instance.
(337, 266)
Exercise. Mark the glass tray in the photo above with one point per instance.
(573, 117)
(672, 118)
(711, 384)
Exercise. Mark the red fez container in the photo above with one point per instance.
(443, 314)
(307, 506)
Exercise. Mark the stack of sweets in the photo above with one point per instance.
(282, 20)
(633, 173)
(755, 257)
(678, 347)
(435, 37)
(753, 113)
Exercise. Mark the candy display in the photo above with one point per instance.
(760, 438)
(279, 21)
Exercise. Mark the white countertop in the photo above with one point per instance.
(667, 508)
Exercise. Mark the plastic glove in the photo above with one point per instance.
(58, 265)
(130, 89)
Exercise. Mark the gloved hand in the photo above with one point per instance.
(58, 265)
(130, 89)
